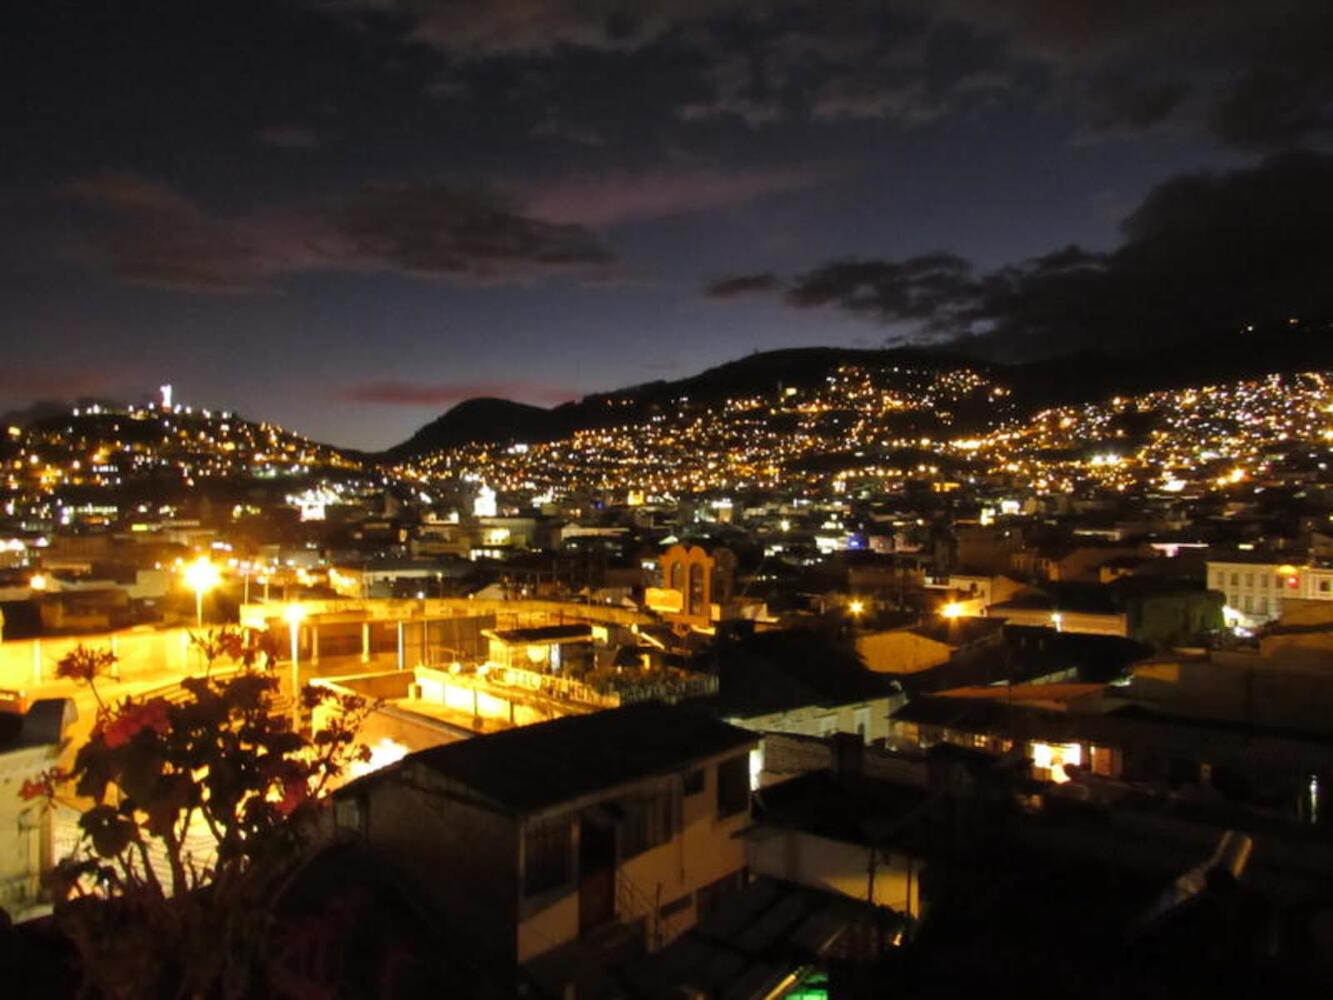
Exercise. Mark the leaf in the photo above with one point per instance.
(95, 766)
(284, 741)
(141, 767)
(110, 832)
(172, 797)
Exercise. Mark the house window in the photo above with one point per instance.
(1247, 604)
(1249, 579)
(1263, 581)
(1235, 579)
(909, 732)
(1323, 586)
(1103, 761)
(733, 786)
(350, 814)
(546, 856)
(647, 823)
(696, 596)
(693, 783)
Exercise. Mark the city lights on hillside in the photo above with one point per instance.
(846, 437)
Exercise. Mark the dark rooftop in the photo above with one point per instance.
(791, 668)
(847, 807)
(534, 767)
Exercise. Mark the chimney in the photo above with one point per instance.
(848, 753)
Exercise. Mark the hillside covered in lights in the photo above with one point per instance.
(874, 430)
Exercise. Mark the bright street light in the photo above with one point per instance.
(856, 607)
(201, 576)
(954, 609)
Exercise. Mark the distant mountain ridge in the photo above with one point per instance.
(1074, 378)
(50, 409)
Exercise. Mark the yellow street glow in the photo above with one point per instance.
(201, 575)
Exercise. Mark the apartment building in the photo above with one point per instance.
(530, 842)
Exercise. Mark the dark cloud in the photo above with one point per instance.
(1280, 104)
(738, 91)
(396, 392)
(1263, 68)
(1121, 105)
(478, 29)
(1204, 253)
(288, 137)
(143, 231)
(437, 228)
(932, 289)
(742, 284)
(861, 97)
(608, 199)
(552, 127)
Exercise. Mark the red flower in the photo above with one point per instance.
(294, 793)
(37, 788)
(134, 719)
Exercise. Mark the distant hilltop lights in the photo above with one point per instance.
(109, 446)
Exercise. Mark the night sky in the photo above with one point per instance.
(347, 215)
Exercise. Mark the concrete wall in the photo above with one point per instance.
(705, 851)
(462, 857)
(516, 706)
(26, 664)
(25, 829)
(834, 866)
(820, 720)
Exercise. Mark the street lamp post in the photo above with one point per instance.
(201, 576)
(294, 615)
